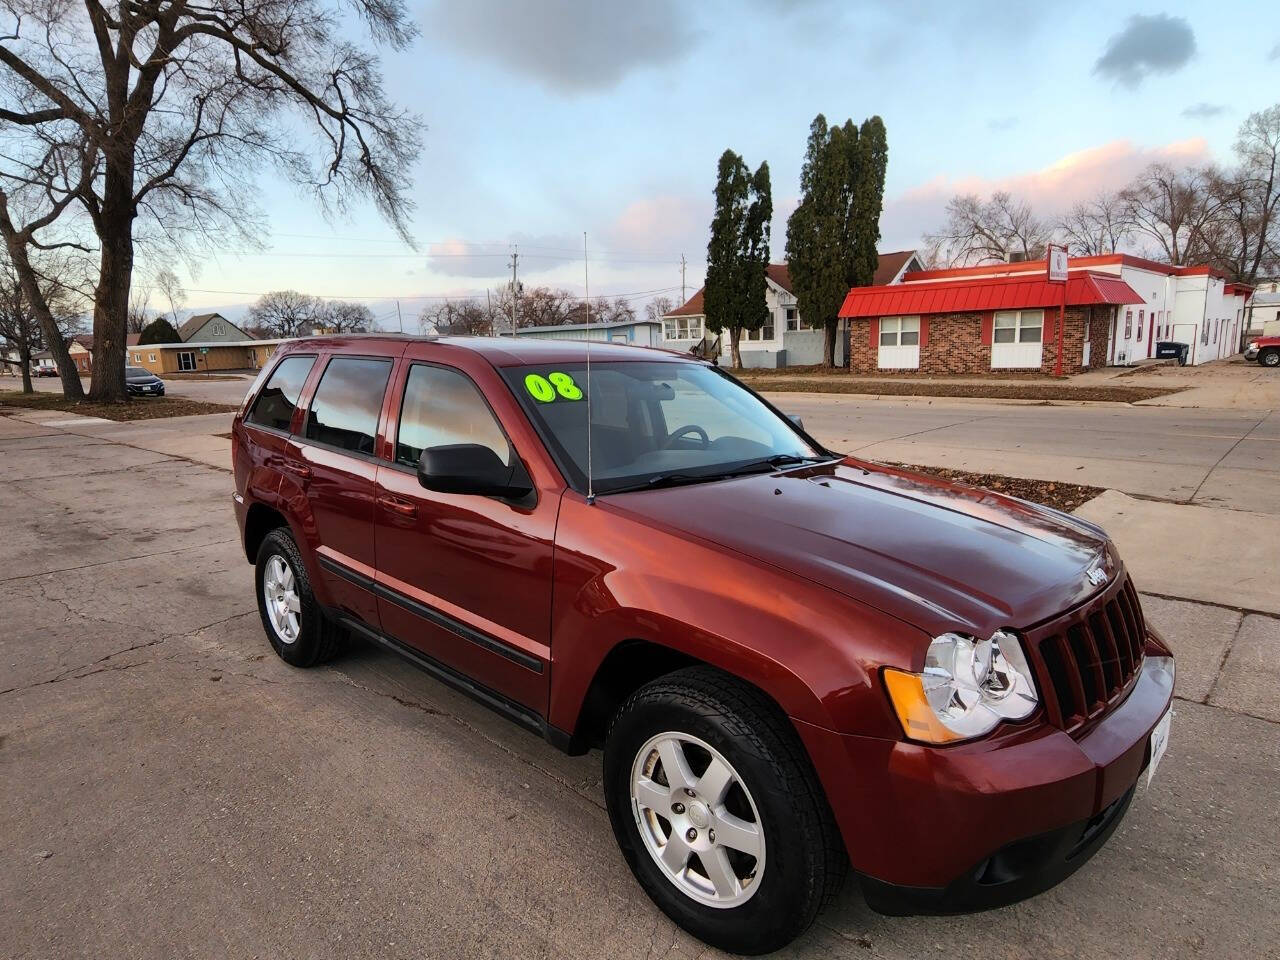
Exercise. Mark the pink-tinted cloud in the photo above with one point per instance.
(1050, 190)
(658, 225)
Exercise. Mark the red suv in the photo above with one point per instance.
(795, 662)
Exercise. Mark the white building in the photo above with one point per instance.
(1193, 305)
(1264, 310)
(787, 340)
(635, 333)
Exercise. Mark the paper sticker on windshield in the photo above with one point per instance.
(556, 385)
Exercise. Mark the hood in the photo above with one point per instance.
(936, 555)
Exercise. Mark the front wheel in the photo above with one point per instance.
(718, 811)
(299, 631)
(1269, 358)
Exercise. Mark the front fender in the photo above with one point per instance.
(815, 652)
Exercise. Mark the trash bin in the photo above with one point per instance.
(1173, 350)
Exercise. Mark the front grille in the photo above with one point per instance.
(1087, 660)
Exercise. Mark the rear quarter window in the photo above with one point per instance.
(279, 398)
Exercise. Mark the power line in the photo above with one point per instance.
(419, 296)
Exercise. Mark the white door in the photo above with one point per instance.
(899, 343)
(1016, 342)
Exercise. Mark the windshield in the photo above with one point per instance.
(654, 423)
(136, 373)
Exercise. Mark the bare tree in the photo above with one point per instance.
(603, 310)
(658, 307)
(152, 118)
(170, 287)
(19, 328)
(1173, 210)
(286, 313)
(998, 230)
(1095, 227)
(341, 316)
(456, 317)
(1244, 239)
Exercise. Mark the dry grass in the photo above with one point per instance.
(136, 408)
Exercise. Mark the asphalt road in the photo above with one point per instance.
(169, 788)
(1227, 458)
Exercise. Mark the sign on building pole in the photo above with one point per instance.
(1056, 265)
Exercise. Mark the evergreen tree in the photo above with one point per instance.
(738, 252)
(158, 331)
(832, 235)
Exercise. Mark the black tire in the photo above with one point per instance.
(318, 637)
(805, 861)
(1269, 357)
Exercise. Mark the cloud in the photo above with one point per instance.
(566, 45)
(1203, 111)
(538, 254)
(1050, 190)
(999, 124)
(1275, 53)
(1155, 44)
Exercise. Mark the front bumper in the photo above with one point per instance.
(991, 822)
(156, 390)
(1251, 352)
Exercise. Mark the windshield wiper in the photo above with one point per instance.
(752, 466)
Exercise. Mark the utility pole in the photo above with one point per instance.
(399, 316)
(488, 309)
(683, 298)
(515, 288)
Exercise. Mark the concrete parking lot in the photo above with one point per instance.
(169, 788)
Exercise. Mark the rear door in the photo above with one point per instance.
(333, 462)
(466, 579)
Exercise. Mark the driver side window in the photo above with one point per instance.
(442, 406)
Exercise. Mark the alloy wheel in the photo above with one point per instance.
(280, 594)
(697, 819)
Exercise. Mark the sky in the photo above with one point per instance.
(545, 120)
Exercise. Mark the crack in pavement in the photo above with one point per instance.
(99, 563)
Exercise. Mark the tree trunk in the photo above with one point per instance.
(735, 355)
(111, 296)
(24, 353)
(829, 343)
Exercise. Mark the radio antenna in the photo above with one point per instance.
(586, 288)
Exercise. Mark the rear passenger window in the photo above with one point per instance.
(441, 407)
(344, 412)
(275, 405)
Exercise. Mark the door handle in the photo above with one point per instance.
(297, 469)
(406, 508)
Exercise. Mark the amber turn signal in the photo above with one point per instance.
(919, 722)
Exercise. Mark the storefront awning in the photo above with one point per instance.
(988, 293)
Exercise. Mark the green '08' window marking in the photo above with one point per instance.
(556, 385)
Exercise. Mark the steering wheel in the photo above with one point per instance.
(691, 428)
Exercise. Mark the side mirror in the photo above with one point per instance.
(796, 419)
(471, 468)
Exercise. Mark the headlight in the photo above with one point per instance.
(968, 687)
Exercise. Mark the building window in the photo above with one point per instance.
(1016, 340)
(682, 328)
(1019, 326)
(1128, 324)
(764, 333)
(151, 358)
(899, 343)
(1141, 320)
(793, 320)
(1204, 332)
(186, 360)
(900, 332)
(137, 358)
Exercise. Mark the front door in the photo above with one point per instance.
(464, 579)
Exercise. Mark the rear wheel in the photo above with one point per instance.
(718, 811)
(299, 631)
(1269, 357)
